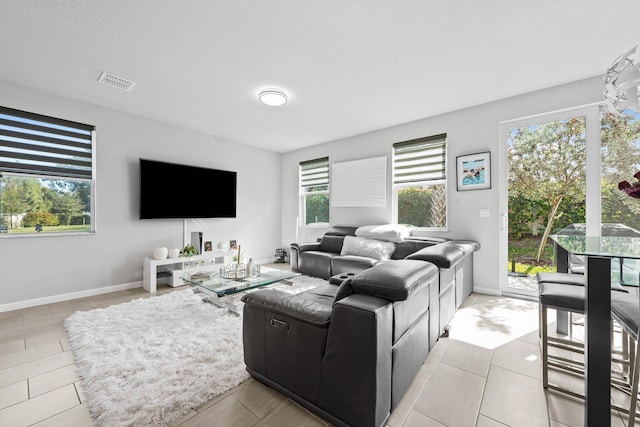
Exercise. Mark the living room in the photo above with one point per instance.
(45, 269)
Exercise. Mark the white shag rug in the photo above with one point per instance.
(149, 361)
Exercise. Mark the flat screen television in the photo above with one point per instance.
(170, 190)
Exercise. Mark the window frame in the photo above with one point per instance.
(405, 183)
(50, 172)
(302, 207)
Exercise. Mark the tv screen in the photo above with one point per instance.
(169, 190)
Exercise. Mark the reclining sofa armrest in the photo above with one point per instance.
(447, 254)
(296, 307)
(296, 249)
(302, 247)
(356, 383)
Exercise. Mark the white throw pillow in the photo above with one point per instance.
(367, 247)
(389, 232)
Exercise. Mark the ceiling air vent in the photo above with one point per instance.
(117, 82)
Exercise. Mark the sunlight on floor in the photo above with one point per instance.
(496, 321)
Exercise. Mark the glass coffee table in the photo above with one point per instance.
(214, 284)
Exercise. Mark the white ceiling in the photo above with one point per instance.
(348, 66)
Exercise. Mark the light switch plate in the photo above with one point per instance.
(485, 213)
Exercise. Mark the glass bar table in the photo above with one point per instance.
(598, 252)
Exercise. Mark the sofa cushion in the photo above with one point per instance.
(444, 255)
(359, 246)
(313, 306)
(395, 281)
(408, 247)
(331, 243)
(316, 263)
(390, 232)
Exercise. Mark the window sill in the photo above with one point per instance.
(33, 235)
(318, 225)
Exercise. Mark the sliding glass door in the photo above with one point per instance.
(559, 169)
(546, 184)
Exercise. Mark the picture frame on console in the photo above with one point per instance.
(208, 247)
(473, 171)
(233, 245)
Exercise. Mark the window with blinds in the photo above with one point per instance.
(420, 160)
(314, 192)
(419, 182)
(46, 174)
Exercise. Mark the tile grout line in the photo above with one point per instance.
(484, 389)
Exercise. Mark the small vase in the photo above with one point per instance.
(250, 267)
(160, 253)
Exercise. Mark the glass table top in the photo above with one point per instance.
(604, 246)
(221, 286)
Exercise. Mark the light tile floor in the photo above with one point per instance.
(487, 373)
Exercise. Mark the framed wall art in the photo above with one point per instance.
(473, 171)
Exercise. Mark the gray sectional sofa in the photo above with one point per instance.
(349, 350)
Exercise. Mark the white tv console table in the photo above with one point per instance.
(150, 267)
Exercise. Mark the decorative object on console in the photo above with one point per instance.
(189, 251)
(474, 171)
(196, 241)
(160, 253)
(233, 245)
(390, 232)
(622, 83)
(208, 247)
(237, 271)
(174, 253)
(371, 248)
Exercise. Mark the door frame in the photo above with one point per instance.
(591, 112)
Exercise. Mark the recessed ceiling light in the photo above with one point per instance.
(272, 97)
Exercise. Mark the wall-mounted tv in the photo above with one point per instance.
(170, 190)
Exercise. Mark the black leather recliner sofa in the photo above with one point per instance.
(453, 258)
(323, 258)
(349, 350)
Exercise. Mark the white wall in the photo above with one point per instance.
(468, 131)
(46, 267)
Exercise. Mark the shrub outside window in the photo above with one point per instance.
(419, 182)
(46, 175)
(314, 192)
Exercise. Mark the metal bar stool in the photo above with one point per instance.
(627, 314)
(564, 319)
(564, 292)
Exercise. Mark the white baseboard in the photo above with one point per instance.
(80, 294)
(487, 291)
(68, 296)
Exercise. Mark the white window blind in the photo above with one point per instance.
(41, 145)
(314, 173)
(418, 160)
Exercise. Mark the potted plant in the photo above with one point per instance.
(189, 251)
